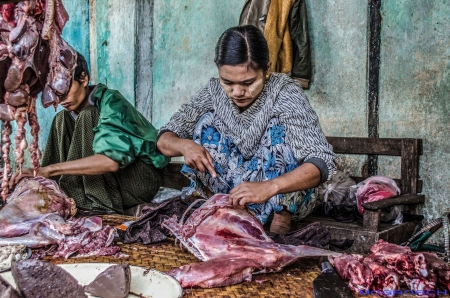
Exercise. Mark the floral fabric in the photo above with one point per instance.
(273, 158)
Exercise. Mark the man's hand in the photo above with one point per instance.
(197, 157)
(26, 173)
(252, 192)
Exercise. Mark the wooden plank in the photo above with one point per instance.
(405, 199)
(410, 165)
(371, 220)
(375, 146)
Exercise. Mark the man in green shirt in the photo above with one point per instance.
(101, 150)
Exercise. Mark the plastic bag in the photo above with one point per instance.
(335, 192)
(392, 213)
(374, 189)
(165, 194)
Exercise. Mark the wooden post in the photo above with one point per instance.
(371, 220)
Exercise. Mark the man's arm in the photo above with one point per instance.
(97, 164)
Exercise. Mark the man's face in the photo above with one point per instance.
(76, 98)
(241, 83)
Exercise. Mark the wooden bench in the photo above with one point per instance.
(372, 229)
(409, 183)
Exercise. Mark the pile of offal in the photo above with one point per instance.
(39, 214)
(34, 58)
(390, 268)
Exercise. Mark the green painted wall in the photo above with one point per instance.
(112, 45)
(339, 58)
(415, 88)
(185, 34)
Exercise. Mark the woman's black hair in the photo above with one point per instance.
(80, 68)
(243, 44)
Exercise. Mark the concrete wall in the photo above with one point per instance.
(415, 88)
(185, 34)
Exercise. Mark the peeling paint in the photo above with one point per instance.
(415, 68)
(185, 35)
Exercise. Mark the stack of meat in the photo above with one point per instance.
(389, 267)
(33, 58)
(38, 215)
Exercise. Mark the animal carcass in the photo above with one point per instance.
(33, 200)
(232, 244)
(38, 214)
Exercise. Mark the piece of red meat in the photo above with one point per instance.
(385, 280)
(230, 241)
(400, 259)
(7, 11)
(351, 268)
(440, 268)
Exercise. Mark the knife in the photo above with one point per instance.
(329, 284)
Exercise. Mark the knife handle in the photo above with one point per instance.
(325, 265)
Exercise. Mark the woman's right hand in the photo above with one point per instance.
(197, 157)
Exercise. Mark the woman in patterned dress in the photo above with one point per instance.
(251, 133)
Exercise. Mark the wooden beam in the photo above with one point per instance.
(400, 200)
(371, 220)
(375, 146)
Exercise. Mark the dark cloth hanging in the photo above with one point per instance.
(298, 26)
(255, 13)
(314, 235)
(290, 48)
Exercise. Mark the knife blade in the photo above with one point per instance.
(329, 284)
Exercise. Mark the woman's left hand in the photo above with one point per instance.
(252, 192)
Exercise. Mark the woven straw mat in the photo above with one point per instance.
(294, 281)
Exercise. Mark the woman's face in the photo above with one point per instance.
(77, 96)
(241, 83)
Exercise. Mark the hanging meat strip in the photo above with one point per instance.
(34, 146)
(7, 130)
(33, 57)
(20, 138)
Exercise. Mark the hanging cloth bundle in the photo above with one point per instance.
(278, 36)
(255, 13)
(285, 27)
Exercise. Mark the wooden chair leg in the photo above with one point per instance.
(371, 220)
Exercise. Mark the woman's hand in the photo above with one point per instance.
(17, 176)
(252, 192)
(304, 177)
(197, 157)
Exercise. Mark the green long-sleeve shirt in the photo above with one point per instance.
(122, 133)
